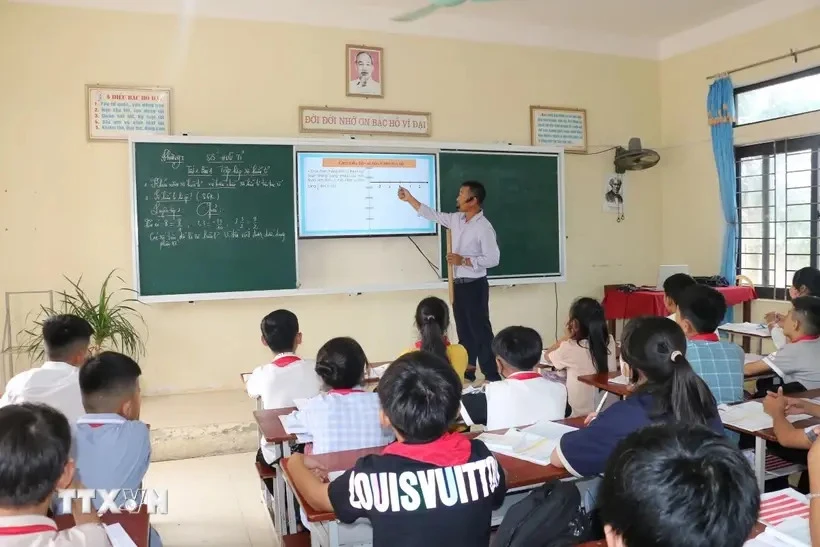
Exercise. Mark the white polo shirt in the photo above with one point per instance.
(55, 383)
(40, 531)
(280, 382)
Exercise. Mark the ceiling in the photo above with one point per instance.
(636, 28)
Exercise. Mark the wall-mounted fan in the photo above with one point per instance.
(635, 157)
(434, 5)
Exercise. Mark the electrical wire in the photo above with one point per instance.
(432, 266)
(555, 286)
(600, 151)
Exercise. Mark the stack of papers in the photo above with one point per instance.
(621, 380)
(786, 516)
(750, 416)
(533, 444)
(377, 372)
(293, 426)
(752, 358)
(749, 329)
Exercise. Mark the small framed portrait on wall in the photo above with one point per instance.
(365, 71)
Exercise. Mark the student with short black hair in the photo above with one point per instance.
(653, 350)
(677, 486)
(113, 446)
(35, 445)
(55, 383)
(344, 416)
(798, 362)
(805, 282)
(432, 321)
(673, 288)
(720, 364)
(524, 396)
(430, 487)
(587, 348)
(286, 378)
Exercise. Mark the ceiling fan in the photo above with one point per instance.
(434, 5)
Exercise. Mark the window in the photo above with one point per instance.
(789, 95)
(777, 197)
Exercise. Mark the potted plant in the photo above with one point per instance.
(111, 314)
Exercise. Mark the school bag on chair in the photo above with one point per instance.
(550, 516)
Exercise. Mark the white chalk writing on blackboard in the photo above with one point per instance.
(188, 202)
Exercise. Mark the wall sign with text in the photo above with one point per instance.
(315, 119)
(116, 113)
(565, 127)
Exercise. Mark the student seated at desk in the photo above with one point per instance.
(677, 486)
(345, 417)
(286, 378)
(588, 348)
(673, 288)
(56, 382)
(524, 396)
(432, 322)
(798, 362)
(35, 441)
(668, 391)
(720, 364)
(430, 487)
(113, 446)
(805, 282)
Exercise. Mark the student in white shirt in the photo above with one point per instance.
(56, 382)
(806, 282)
(673, 288)
(287, 377)
(35, 441)
(798, 362)
(524, 396)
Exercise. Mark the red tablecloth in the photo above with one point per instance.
(621, 305)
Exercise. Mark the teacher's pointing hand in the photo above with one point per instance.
(406, 196)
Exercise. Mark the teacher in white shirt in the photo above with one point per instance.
(474, 251)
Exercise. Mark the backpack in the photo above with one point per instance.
(550, 516)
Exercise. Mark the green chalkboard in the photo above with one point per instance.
(214, 218)
(523, 204)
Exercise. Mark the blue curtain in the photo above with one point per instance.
(721, 108)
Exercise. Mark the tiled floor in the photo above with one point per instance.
(211, 501)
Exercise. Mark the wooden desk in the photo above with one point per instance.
(601, 381)
(747, 337)
(519, 474)
(272, 430)
(767, 435)
(136, 524)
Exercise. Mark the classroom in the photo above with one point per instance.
(115, 111)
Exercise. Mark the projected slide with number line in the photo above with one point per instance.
(355, 194)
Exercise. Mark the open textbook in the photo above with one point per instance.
(533, 444)
(750, 416)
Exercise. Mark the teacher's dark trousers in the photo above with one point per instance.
(472, 313)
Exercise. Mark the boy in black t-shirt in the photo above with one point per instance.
(430, 487)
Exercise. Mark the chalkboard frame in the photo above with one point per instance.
(345, 144)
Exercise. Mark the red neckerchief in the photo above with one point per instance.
(446, 343)
(524, 375)
(23, 530)
(705, 337)
(449, 449)
(284, 360)
(345, 391)
(805, 338)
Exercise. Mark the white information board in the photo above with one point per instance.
(356, 193)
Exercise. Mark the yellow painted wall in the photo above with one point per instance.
(65, 205)
(692, 217)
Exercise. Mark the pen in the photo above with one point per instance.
(601, 404)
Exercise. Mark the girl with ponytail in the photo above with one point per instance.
(432, 322)
(653, 350)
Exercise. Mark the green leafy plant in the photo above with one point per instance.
(112, 315)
